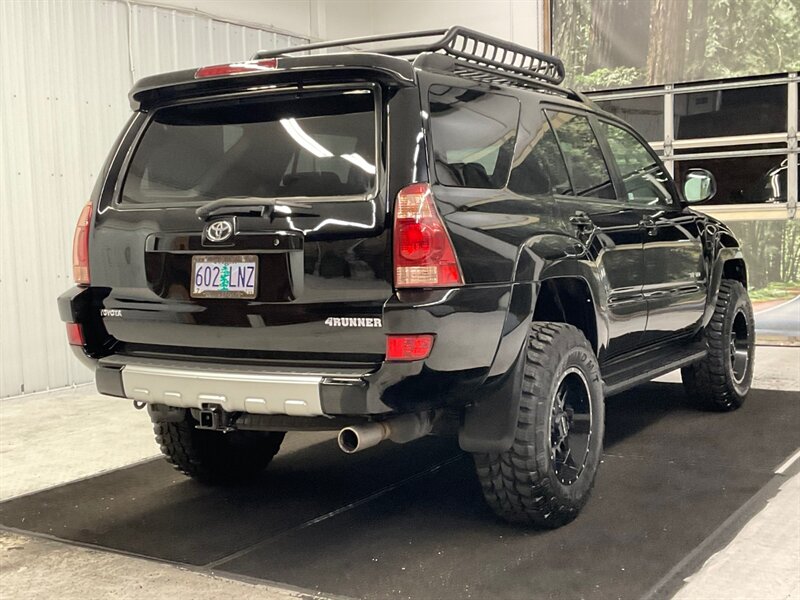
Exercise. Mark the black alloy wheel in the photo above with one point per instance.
(570, 426)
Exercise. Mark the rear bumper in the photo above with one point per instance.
(468, 324)
(273, 391)
(257, 393)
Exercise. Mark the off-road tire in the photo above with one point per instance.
(521, 485)
(214, 457)
(712, 383)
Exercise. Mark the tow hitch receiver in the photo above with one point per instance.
(215, 418)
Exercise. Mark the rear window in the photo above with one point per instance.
(473, 136)
(313, 144)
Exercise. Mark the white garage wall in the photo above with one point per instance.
(516, 20)
(290, 16)
(65, 71)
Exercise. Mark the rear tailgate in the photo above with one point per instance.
(294, 263)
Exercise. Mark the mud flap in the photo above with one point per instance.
(489, 424)
(491, 420)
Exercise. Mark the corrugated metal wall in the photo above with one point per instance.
(65, 71)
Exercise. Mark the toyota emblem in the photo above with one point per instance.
(219, 231)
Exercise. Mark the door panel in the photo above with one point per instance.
(613, 243)
(608, 229)
(675, 282)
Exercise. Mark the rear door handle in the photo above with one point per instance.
(650, 226)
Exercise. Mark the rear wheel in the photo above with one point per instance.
(722, 379)
(215, 457)
(547, 475)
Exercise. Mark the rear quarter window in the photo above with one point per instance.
(473, 134)
(587, 168)
(309, 145)
(539, 167)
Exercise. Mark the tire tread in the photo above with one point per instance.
(198, 455)
(515, 483)
(708, 381)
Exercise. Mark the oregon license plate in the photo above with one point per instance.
(224, 276)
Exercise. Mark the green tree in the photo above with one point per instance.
(667, 54)
(604, 43)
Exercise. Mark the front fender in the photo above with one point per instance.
(716, 275)
(719, 246)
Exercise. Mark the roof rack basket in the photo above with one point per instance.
(497, 58)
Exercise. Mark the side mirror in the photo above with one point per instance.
(699, 186)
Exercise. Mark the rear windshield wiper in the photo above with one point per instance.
(235, 205)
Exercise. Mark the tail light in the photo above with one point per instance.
(423, 252)
(250, 66)
(75, 334)
(408, 347)
(80, 247)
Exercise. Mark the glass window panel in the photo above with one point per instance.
(539, 168)
(742, 180)
(473, 136)
(587, 167)
(772, 251)
(645, 115)
(311, 145)
(742, 111)
(646, 183)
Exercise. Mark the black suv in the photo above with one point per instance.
(436, 238)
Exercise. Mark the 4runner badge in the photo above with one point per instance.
(353, 322)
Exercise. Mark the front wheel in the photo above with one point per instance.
(546, 476)
(722, 379)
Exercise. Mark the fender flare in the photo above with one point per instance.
(489, 424)
(724, 255)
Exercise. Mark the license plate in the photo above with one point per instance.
(224, 276)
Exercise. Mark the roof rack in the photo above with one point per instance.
(498, 60)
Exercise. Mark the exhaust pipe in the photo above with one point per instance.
(401, 429)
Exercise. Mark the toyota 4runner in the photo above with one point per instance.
(435, 238)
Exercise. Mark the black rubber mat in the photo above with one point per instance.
(409, 521)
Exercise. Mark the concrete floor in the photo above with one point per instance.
(51, 438)
(763, 561)
(41, 568)
(47, 440)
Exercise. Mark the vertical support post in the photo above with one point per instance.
(791, 166)
(318, 19)
(669, 128)
(547, 25)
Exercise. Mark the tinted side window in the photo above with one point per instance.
(587, 168)
(473, 136)
(645, 181)
(539, 167)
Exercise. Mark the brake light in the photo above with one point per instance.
(250, 66)
(423, 252)
(408, 347)
(75, 334)
(80, 247)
